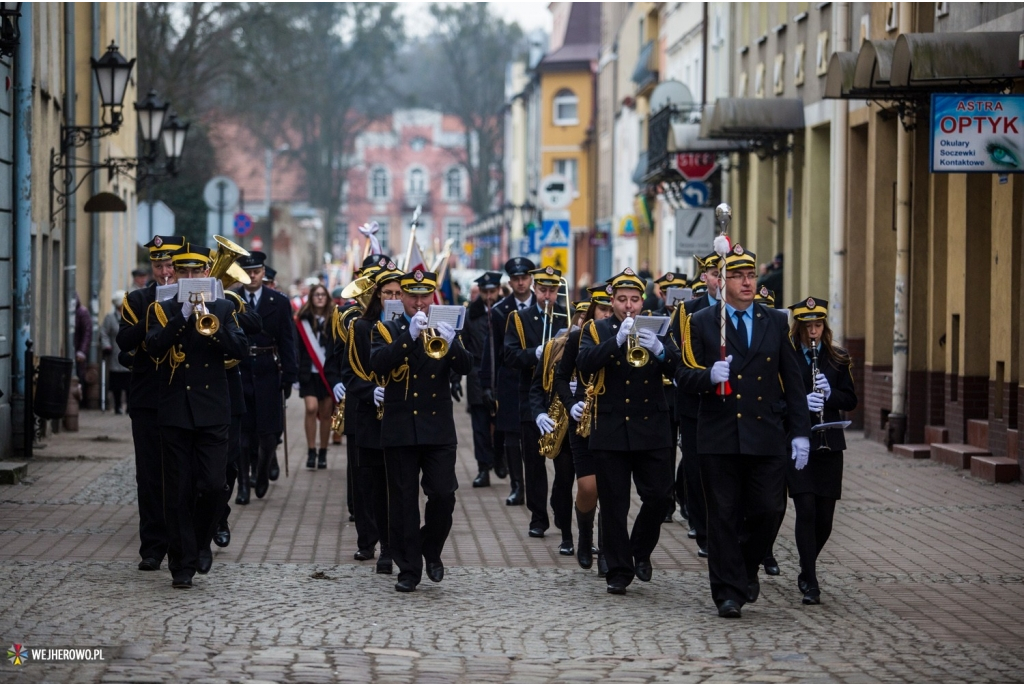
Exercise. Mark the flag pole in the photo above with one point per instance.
(412, 237)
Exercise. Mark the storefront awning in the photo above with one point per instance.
(687, 138)
(755, 118)
(839, 80)
(874, 65)
(641, 169)
(930, 60)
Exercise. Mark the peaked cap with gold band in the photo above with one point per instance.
(191, 256)
(161, 247)
(810, 310)
(765, 295)
(389, 273)
(699, 286)
(627, 279)
(708, 262)
(580, 306)
(374, 264)
(671, 280)
(546, 275)
(740, 258)
(419, 282)
(601, 294)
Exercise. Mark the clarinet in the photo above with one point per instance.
(821, 414)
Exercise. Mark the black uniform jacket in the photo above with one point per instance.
(131, 339)
(566, 371)
(360, 382)
(249, 321)
(767, 390)
(523, 334)
(506, 384)
(474, 337)
(417, 397)
(687, 403)
(842, 398)
(336, 363)
(193, 383)
(260, 376)
(631, 410)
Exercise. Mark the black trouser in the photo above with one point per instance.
(231, 469)
(375, 475)
(120, 381)
(512, 444)
(351, 472)
(696, 506)
(361, 480)
(561, 490)
(651, 471)
(535, 479)
(257, 450)
(745, 499)
(483, 444)
(814, 516)
(410, 544)
(194, 463)
(150, 484)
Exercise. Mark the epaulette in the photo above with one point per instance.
(353, 356)
(342, 323)
(161, 316)
(688, 358)
(519, 328)
(592, 328)
(126, 311)
(384, 332)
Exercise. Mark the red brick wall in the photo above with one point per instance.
(972, 403)
(997, 427)
(876, 400)
(855, 346)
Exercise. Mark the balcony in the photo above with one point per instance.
(645, 74)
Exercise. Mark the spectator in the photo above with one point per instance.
(83, 338)
(773, 279)
(139, 279)
(120, 377)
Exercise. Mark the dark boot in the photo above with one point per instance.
(515, 473)
(275, 469)
(321, 458)
(311, 458)
(585, 548)
(602, 563)
(263, 475)
(243, 478)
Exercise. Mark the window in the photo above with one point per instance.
(417, 182)
(892, 16)
(568, 168)
(382, 234)
(379, 183)
(566, 106)
(453, 231)
(453, 184)
(418, 143)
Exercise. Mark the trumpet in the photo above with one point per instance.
(434, 345)
(636, 355)
(206, 323)
(548, 331)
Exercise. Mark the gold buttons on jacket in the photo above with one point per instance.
(188, 387)
(627, 382)
(627, 400)
(739, 416)
(415, 394)
(414, 412)
(739, 376)
(769, 359)
(627, 418)
(186, 366)
(739, 397)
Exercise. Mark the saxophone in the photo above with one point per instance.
(583, 427)
(551, 443)
(338, 418)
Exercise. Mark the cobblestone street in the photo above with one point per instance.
(922, 580)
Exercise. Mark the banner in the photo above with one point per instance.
(977, 133)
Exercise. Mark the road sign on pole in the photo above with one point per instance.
(556, 192)
(695, 231)
(695, 193)
(243, 224)
(696, 166)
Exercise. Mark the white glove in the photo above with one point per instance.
(446, 331)
(801, 452)
(417, 324)
(378, 395)
(545, 424)
(339, 392)
(573, 384)
(577, 411)
(720, 370)
(821, 383)
(186, 309)
(815, 402)
(650, 341)
(624, 329)
(539, 352)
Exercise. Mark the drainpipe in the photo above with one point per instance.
(897, 430)
(837, 233)
(94, 218)
(23, 67)
(70, 237)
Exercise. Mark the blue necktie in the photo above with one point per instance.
(741, 328)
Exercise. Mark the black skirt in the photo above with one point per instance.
(582, 459)
(314, 387)
(823, 475)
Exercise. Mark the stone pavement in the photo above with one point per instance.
(923, 580)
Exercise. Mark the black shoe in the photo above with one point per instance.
(363, 554)
(684, 512)
(149, 564)
(616, 587)
(566, 549)
(351, 518)
(753, 591)
(536, 532)
(483, 479)
(515, 497)
(435, 571)
(771, 567)
(644, 570)
(692, 533)
(117, 411)
(242, 496)
(321, 458)
(275, 470)
(585, 555)
(406, 585)
(384, 564)
(668, 518)
(182, 581)
(262, 479)
(205, 561)
(812, 595)
(501, 469)
(729, 609)
(602, 565)
(252, 480)
(802, 583)
(222, 536)
(702, 553)
(311, 458)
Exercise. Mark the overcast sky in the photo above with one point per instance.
(530, 15)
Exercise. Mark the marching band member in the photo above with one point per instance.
(771, 566)
(523, 348)
(313, 340)
(481, 413)
(666, 281)
(631, 433)
(145, 391)
(816, 489)
(500, 382)
(192, 415)
(418, 430)
(572, 390)
(747, 402)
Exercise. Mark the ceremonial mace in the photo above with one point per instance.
(723, 215)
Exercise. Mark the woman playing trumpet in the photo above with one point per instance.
(830, 389)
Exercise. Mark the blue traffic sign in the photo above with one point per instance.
(695, 194)
(555, 233)
(243, 224)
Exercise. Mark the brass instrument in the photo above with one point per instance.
(380, 412)
(338, 418)
(548, 331)
(821, 414)
(636, 355)
(206, 323)
(551, 443)
(434, 345)
(224, 266)
(584, 425)
(360, 290)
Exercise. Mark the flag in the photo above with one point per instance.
(444, 287)
(414, 256)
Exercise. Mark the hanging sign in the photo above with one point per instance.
(978, 133)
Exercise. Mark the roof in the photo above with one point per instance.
(582, 42)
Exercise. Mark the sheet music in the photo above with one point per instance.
(211, 288)
(675, 295)
(166, 292)
(658, 324)
(393, 309)
(453, 315)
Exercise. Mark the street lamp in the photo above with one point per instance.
(10, 34)
(151, 113)
(112, 72)
(174, 134)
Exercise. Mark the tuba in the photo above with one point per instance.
(360, 290)
(224, 267)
